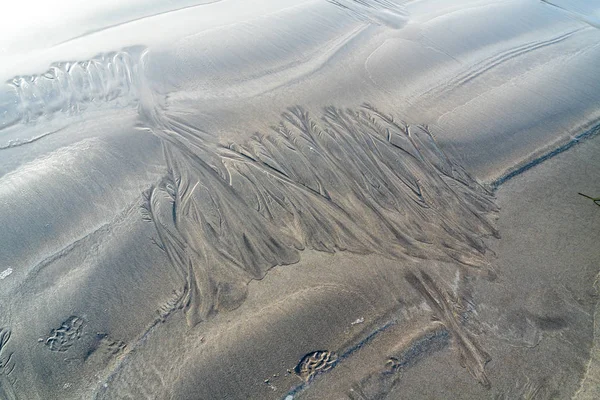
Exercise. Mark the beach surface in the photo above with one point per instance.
(303, 199)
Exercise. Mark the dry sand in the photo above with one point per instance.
(304, 199)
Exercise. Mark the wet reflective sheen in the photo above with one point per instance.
(299, 199)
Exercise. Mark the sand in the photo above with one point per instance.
(304, 199)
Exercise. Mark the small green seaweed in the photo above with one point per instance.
(596, 200)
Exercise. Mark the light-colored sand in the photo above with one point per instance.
(248, 196)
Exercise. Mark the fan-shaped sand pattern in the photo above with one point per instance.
(358, 181)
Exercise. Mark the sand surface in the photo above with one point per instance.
(303, 199)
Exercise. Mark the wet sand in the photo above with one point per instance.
(309, 199)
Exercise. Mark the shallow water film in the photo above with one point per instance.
(300, 199)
